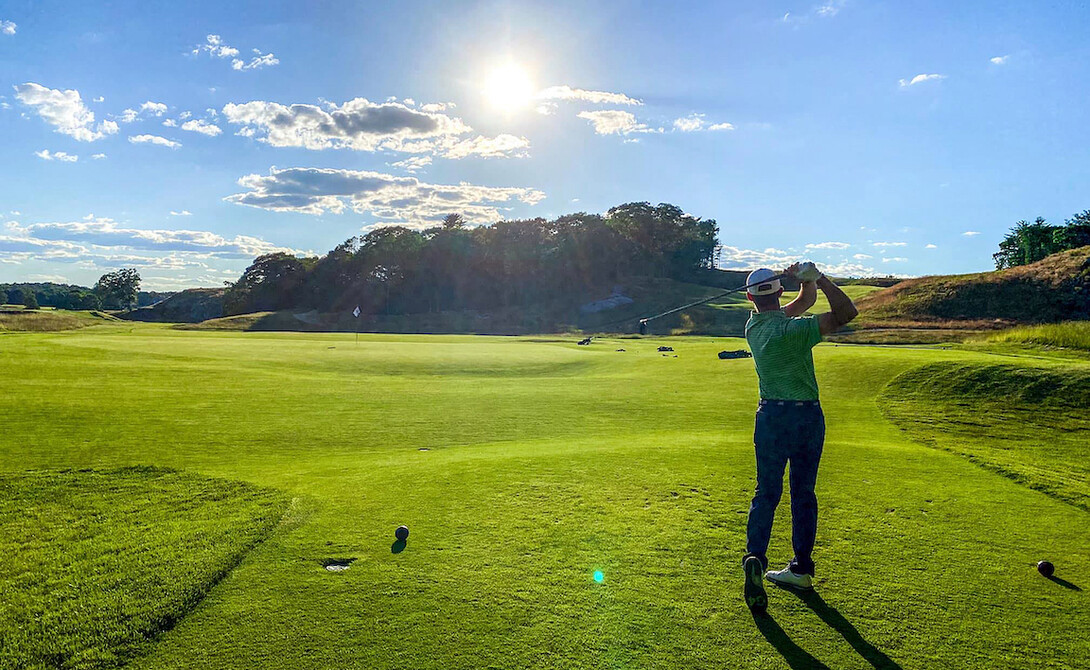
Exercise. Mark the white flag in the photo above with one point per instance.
(356, 312)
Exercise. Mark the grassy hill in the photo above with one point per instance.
(16, 319)
(188, 306)
(1054, 289)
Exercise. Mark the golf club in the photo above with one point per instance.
(643, 321)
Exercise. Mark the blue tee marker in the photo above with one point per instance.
(598, 576)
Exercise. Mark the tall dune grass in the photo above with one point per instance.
(1069, 334)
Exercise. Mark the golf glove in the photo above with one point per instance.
(808, 272)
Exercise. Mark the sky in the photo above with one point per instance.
(874, 138)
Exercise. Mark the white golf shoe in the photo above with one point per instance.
(789, 579)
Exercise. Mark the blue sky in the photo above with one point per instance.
(872, 137)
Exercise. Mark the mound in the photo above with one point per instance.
(1027, 423)
(190, 306)
(1056, 288)
(93, 565)
(45, 321)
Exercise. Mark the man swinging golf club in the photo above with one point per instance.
(790, 427)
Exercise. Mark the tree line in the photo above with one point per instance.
(398, 270)
(1030, 242)
(114, 290)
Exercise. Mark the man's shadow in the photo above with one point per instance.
(799, 658)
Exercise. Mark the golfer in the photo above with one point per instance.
(790, 427)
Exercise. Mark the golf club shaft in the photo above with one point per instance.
(714, 297)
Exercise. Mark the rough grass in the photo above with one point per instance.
(44, 321)
(95, 564)
(1030, 424)
(1068, 335)
(903, 336)
(544, 462)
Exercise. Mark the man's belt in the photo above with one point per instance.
(790, 403)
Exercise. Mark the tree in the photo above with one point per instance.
(30, 301)
(15, 296)
(118, 289)
(454, 221)
(272, 282)
(1030, 242)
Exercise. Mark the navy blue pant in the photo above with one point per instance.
(787, 433)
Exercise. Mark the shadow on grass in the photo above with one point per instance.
(837, 622)
(397, 547)
(1064, 583)
(797, 657)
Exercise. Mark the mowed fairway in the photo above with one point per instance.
(522, 466)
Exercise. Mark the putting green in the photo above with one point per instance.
(525, 465)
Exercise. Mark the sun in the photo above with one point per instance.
(509, 88)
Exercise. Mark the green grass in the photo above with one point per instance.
(522, 465)
(1069, 335)
(1027, 423)
(95, 564)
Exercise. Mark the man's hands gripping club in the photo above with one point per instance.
(842, 309)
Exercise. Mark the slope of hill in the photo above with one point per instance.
(1056, 288)
(189, 306)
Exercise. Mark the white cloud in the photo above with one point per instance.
(615, 122)
(184, 212)
(894, 259)
(155, 108)
(388, 198)
(98, 99)
(366, 126)
(931, 246)
(596, 97)
(433, 107)
(105, 232)
(98, 157)
(830, 8)
(862, 257)
(999, 60)
(259, 61)
(214, 46)
(154, 139)
(734, 258)
(150, 108)
(7, 27)
(546, 108)
(971, 233)
(65, 111)
(489, 147)
(721, 126)
(413, 163)
(828, 245)
(920, 78)
(170, 123)
(825, 10)
(57, 156)
(890, 244)
(689, 123)
(217, 48)
(201, 127)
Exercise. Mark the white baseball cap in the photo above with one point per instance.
(762, 282)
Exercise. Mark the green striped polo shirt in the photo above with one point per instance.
(781, 351)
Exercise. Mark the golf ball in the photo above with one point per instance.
(1046, 568)
(402, 532)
